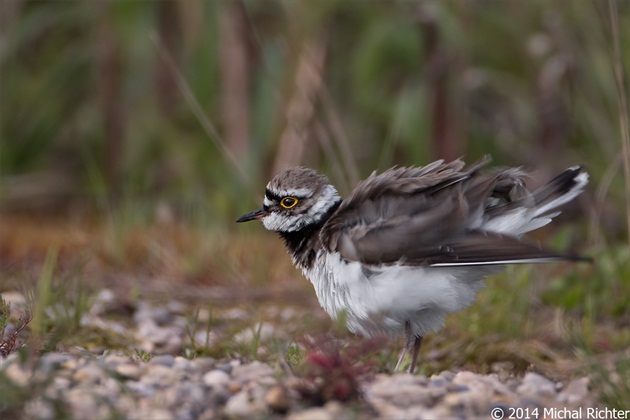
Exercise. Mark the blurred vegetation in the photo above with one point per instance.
(152, 125)
(195, 104)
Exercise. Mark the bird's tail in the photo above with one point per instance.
(557, 192)
(532, 210)
(560, 190)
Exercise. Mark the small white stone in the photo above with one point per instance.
(535, 385)
(259, 333)
(129, 371)
(159, 374)
(216, 378)
(164, 360)
(246, 404)
(88, 374)
(12, 297)
(252, 372)
(84, 404)
(17, 375)
(277, 399)
(203, 364)
(206, 338)
(182, 363)
(113, 360)
(155, 413)
(332, 410)
(40, 409)
(575, 392)
(401, 391)
(313, 413)
(235, 314)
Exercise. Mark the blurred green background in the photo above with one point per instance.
(192, 105)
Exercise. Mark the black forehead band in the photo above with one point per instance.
(272, 195)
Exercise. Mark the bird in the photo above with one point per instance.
(411, 245)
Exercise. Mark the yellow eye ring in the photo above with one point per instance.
(289, 202)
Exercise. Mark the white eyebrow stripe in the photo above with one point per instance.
(267, 202)
(293, 192)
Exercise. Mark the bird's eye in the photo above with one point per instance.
(288, 202)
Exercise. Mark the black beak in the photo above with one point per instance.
(256, 214)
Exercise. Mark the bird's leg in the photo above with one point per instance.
(410, 342)
(403, 353)
(417, 342)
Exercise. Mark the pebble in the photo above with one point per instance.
(225, 366)
(216, 378)
(277, 399)
(575, 391)
(403, 390)
(164, 360)
(535, 386)
(17, 302)
(161, 375)
(181, 363)
(247, 403)
(89, 374)
(129, 371)
(17, 375)
(203, 363)
(206, 339)
(252, 371)
(332, 410)
(261, 332)
(52, 361)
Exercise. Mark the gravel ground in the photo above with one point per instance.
(82, 385)
(168, 387)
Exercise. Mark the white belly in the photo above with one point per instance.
(380, 299)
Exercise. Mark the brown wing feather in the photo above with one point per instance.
(479, 248)
(396, 181)
(423, 216)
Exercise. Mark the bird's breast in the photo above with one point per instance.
(381, 298)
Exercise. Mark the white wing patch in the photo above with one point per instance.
(581, 181)
(498, 262)
(523, 220)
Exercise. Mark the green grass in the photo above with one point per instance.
(60, 302)
(612, 380)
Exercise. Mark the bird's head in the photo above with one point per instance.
(294, 199)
